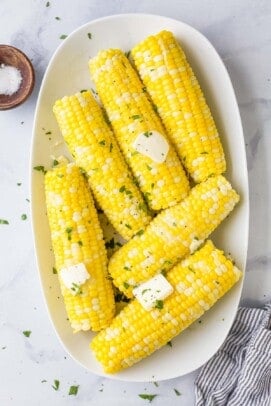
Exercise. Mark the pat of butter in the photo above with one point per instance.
(156, 288)
(74, 276)
(153, 145)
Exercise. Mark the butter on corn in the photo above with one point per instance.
(78, 248)
(163, 181)
(95, 150)
(172, 234)
(175, 90)
(135, 333)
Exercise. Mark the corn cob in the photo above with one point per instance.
(77, 239)
(131, 114)
(172, 234)
(198, 282)
(173, 87)
(94, 148)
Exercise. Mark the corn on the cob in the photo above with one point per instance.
(172, 234)
(77, 239)
(131, 114)
(94, 148)
(198, 282)
(173, 87)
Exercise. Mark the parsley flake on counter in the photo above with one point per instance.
(2, 221)
(73, 390)
(57, 18)
(19, 184)
(40, 168)
(27, 333)
(23, 216)
(147, 397)
(55, 386)
(63, 36)
(48, 4)
(44, 380)
(89, 35)
(177, 392)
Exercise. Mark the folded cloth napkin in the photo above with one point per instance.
(239, 374)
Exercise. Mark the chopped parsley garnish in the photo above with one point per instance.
(148, 134)
(136, 117)
(122, 189)
(27, 333)
(204, 153)
(102, 142)
(76, 289)
(105, 116)
(145, 290)
(128, 226)
(147, 397)
(159, 304)
(63, 36)
(69, 231)
(167, 262)
(127, 54)
(155, 108)
(54, 270)
(110, 244)
(120, 297)
(126, 285)
(73, 390)
(80, 243)
(89, 35)
(57, 18)
(177, 392)
(2, 221)
(55, 386)
(110, 147)
(140, 232)
(149, 167)
(18, 183)
(40, 168)
(23, 216)
(169, 343)
(127, 268)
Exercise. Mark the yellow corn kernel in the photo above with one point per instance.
(77, 238)
(175, 90)
(172, 234)
(131, 114)
(95, 150)
(135, 333)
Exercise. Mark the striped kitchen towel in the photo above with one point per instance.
(239, 374)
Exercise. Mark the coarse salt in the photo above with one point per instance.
(10, 79)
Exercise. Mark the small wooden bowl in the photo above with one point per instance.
(14, 57)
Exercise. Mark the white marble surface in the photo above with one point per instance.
(240, 31)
